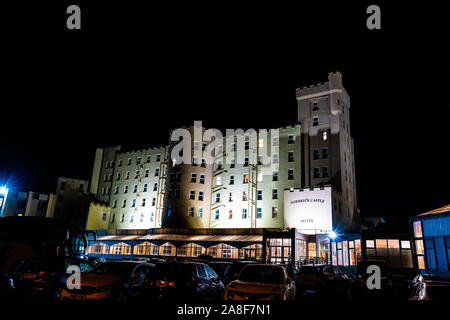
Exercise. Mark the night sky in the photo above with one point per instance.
(132, 73)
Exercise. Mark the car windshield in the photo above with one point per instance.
(171, 271)
(262, 274)
(120, 269)
(310, 270)
(219, 268)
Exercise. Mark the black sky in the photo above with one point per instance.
(62, 92)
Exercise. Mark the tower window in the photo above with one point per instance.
(290, 139)
(316, 173)
(291, 174)
(315, 121)
(324, 153)
(324, 136)
(290, 156)
(325, 172)
(315, 106)
(316, 154)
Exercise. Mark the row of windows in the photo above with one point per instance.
(108, 177)
(110, 164)
(106, 190)
(316, 154)
(320, 172)
(122, 217)
(245, 195)
(133, 203)
(244, 215)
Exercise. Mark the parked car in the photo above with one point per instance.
(228, 271)
(429, 287)
(261, 282)
(183, 280)
(118, 280)
(323, 280)
(36, 278)
(223, 269)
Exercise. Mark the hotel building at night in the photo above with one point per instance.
(272, 195)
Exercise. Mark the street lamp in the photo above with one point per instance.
(332, 234)
(3, 196)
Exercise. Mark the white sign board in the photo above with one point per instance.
(308, 210)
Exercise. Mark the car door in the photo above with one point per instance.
(215, 285)
(203, 283)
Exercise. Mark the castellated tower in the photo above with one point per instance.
(327, 146)
(188, 193)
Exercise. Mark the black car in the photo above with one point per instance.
(185, 280)
(323, 280)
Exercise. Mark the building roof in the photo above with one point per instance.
(181, 237)
(436, 211)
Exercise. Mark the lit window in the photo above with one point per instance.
(405, 244)
(218, 180)
(324, 135)
(274, 212)
(261, 143)
(260, 177)
(244, 195)
(370, 243)
(417, 228)
(230, 214)
(245, 178)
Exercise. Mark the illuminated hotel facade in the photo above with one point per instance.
(231, 205)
